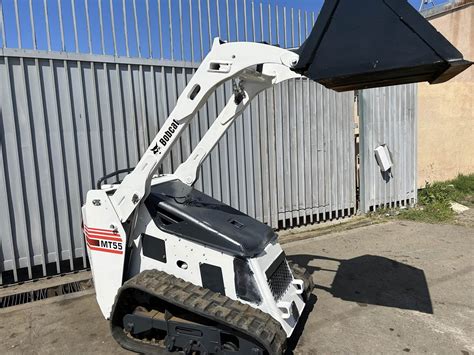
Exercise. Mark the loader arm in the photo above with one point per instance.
(224, 62)
(251, 84)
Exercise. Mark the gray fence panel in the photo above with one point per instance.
(67, 120)
(388, 116)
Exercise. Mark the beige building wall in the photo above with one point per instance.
(446, 111)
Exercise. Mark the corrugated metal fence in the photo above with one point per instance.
(388, 116)
(69, 118)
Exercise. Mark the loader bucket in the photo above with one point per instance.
(358, 44)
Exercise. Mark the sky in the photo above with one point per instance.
(188, 39)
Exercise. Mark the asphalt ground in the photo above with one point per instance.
(394, 288)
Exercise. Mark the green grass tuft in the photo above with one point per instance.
(434, 200)
(433, 213)
(464, 184)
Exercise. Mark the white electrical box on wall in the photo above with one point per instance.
(382, 155)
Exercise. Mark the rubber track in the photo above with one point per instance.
(243, 318)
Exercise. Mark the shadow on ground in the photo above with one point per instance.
(367, 280)
(375, 280)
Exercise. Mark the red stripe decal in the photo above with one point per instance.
(95, 236)
(90, 235)
(94, 242)
(106, 250)
(101, 231)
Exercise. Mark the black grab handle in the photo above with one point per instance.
(115, 173)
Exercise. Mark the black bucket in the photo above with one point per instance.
(359, 44)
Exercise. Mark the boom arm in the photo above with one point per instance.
(259, 63)
(251, 86)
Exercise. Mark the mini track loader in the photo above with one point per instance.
(175, 269)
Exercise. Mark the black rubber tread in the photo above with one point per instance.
(300, 272)
(257, 325)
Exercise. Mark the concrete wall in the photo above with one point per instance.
(446, 111)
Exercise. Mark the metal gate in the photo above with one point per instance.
(68, 118)
(388, 117)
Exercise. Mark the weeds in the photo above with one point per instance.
(434, 200)
(464, 185)
(433, 213)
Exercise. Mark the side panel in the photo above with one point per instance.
(106, 242)
(188, 260)
(183, 258)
